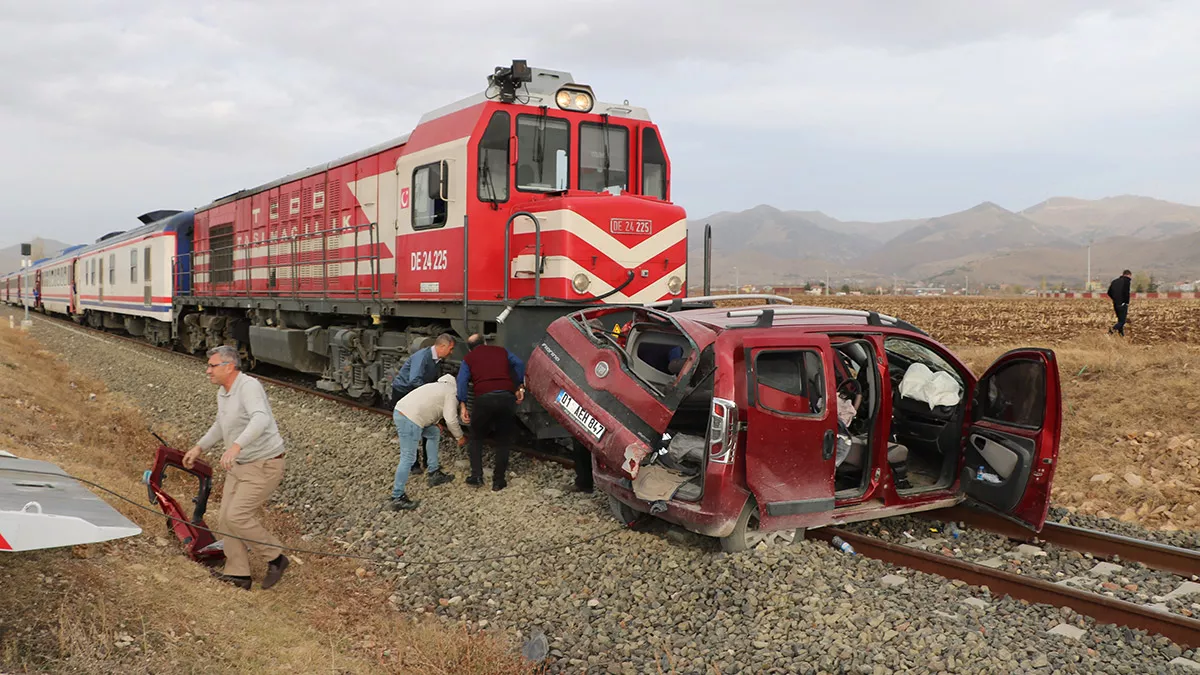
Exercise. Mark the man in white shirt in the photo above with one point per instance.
(416, 417)
(253, 460)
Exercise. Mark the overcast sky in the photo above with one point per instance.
(862, 109)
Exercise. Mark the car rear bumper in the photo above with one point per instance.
(714, 515)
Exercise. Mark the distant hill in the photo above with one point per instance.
(1127, 215)
(10, 258)
(987, 243)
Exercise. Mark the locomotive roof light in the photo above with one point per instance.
(507, 79)
(576, 97)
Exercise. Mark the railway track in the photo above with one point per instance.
(280, 382)
(1182, 630)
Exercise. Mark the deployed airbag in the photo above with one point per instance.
(937, 389)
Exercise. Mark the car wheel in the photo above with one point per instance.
(746, 534)
(622, 511)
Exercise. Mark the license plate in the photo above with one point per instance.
(580, 415)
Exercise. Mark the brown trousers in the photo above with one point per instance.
(247, 487)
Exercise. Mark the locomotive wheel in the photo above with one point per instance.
(249, 363)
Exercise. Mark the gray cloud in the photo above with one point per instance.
(132, 105)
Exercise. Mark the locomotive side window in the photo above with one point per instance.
(428, 200)
(543, 153)
(220, 241)
(112, 269)
(493, 160)
(133, 261)
(146, 267)
(603, 157)
(654, 166)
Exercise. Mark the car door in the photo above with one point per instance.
(791, 429)
(583, 374)
(1015, 423)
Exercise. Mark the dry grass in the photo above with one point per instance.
(139, 605)
(998, 321)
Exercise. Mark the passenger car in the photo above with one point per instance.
(735, 434)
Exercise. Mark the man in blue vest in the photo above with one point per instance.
(498, 378)
(420, 369)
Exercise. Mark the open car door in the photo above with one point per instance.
(606, 375)
(791, 427)
(1016, 420)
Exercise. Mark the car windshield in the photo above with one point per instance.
(915, 352)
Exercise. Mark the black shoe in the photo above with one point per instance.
(403, 503)
(498, 485)
(275, 570)
(579, 488)
(439, 478)
(241, 582)
(903, 484)
(473, 481)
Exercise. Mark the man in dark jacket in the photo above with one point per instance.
(499, 379)
(1118, 292)
(421, 369)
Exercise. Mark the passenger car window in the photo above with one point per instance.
(790, 382)
(1015, 394)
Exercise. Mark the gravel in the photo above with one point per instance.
(632, 601)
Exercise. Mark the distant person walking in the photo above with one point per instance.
(1118, 292)
(499, 379)
(253, 460)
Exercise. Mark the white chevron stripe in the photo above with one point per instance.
(561, 267)
(607, 243)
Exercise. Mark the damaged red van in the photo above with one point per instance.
(755, 423)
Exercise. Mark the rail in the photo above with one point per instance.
(1180, 629)
(537, 253)
(1181, 561)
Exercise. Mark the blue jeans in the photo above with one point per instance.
(410, 443)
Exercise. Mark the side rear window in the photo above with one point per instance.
(1015, 394)
(790, 382)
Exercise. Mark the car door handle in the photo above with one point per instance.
(827, 449)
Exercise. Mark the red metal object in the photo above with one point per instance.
(198, 542)
(1183, 631)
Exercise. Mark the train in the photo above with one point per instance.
(496, 214)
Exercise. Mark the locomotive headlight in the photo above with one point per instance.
(581, 282)
(575, 97)
(674, 284)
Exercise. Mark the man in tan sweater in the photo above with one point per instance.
(253, 459)
(416, 417)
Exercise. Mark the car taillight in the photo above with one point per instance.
(722, 431)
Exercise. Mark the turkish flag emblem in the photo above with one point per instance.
(404, 198)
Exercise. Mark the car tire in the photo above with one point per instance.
(745, 533)
(740, 538)
(622, 511)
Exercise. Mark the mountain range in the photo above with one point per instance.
(984, 245)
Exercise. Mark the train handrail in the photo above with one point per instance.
(537, 253)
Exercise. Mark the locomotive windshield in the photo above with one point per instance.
(544, 149)
(603, 157)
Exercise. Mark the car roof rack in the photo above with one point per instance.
(766, 317)
(677, 304)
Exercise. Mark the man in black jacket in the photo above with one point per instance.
(1118, 292)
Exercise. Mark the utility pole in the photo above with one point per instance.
(1088, 287)
(967, 284)
(737, 281)
(826, 282)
